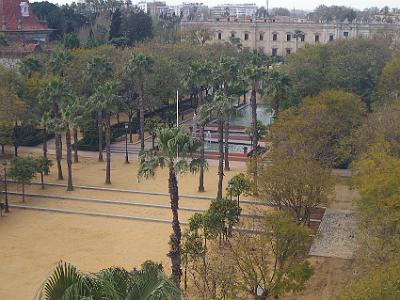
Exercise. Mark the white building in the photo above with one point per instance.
(190, 11)
(237, 10)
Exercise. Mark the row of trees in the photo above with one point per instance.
(58, 98)
(376, 177)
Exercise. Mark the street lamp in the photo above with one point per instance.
(126, 144)
(5, 186)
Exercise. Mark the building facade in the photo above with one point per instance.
(18, 23)
(282, 36)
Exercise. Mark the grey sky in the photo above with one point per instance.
(297, 4)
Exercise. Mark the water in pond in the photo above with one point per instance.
(243, 117)
(233, 148)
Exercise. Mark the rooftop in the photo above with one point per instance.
(18, 16)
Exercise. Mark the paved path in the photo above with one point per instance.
(337, 236)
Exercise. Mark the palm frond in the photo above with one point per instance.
(197, 163)
(152, 285)
(65, 282)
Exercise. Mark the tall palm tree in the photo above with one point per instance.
(68, 283)
(105, 99)
(50, 97)
(70, 115)
(138, 66)
(98, 70)
(197, 79)
(220, 107)
(175, 150)
(229, 71)
(254, 74)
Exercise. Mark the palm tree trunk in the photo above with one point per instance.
(100, 133)
(255, 137)
(108, 150)
(76, 158)
(220, 157)
(2, 149)
(227, 168)
(23, 192)
(58, 157)
(141, 116)
(69, 157)
(254, 118)
(45, 141)
(175, 242)
(201, 175)
(60, 141)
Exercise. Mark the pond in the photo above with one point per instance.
(233, 147)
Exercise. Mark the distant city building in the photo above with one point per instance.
(155, 9)
(284, 35)
(18, 23)
(191, 11)
(238, 10)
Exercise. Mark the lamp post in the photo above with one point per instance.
(5, 186)
(126, 144)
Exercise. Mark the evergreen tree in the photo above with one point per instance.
(115, 27)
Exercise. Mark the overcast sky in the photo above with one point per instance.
(290, 4)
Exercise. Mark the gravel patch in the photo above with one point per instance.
(337, 235)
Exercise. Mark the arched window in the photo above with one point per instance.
(274, 36)
(219, 35)
(246, 36)
(261, 36)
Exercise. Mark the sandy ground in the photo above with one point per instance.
(33, 242)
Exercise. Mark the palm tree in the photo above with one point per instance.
(229, 71)
(59, 62)
(138, 66)
(197, 79)
(175, 150)
(254, 74)
(220, 107)
(98, 70)
(30, 65)
(296, 35)
(278, 88)
(50, 97)
(68, 283)
(105, 99)
(150, 126)
(69, 116)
